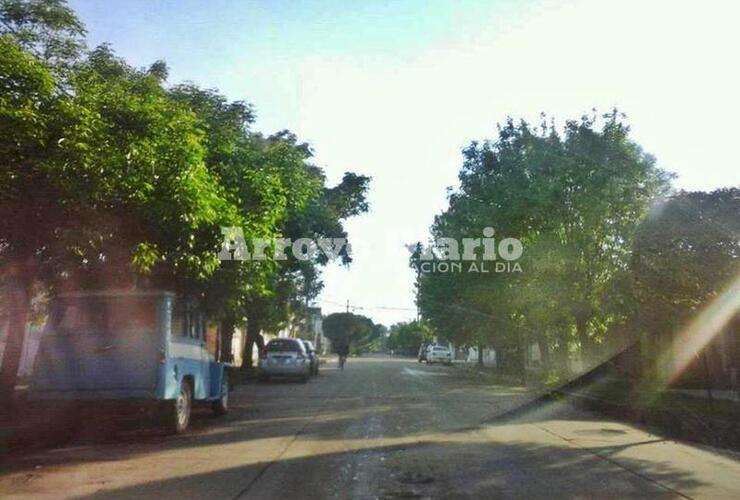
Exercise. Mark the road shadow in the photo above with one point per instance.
(277, 410)
(271, 410)
(450, 470)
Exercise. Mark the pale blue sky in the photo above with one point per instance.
(395, 90)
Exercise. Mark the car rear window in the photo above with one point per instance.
(283, 346)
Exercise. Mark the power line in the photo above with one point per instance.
(348, 306)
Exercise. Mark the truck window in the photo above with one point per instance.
(212, 338)
(98, 315)
(179, 320)
(194, 324)
(187, 322)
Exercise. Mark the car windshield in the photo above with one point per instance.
(396, 249)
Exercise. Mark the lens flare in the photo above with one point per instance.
(702, 330)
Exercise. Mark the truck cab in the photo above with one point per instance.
(146, 347)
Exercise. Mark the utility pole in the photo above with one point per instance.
(347, 305)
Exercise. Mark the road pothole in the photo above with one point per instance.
(416, 478)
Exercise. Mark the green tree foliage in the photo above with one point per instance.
(353, 332)
(48, 29)
(279, 194)
(686, 252)
(406, 338)
(574, 199)
(685, 255)
(101, 183)
(109, 179)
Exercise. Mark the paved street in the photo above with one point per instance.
(382, 428)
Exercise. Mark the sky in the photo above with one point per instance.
(395, 90)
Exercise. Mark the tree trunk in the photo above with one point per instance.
(253, 337)
(518, 366)
(19, 304)
(544, 351)
(585, 341)
(500, 356)
(707, 374)
(225, 340)
(561, 357)
(480, 355)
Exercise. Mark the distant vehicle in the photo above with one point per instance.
(144, 347)
(313, 355)
(439, 354)
(422, 356)
(283, 357)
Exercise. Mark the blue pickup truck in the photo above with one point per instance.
(144, 347)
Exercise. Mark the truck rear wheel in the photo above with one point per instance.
(221, 405)
(178, 411)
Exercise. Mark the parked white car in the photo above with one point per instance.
(283, 357)
(439, 354)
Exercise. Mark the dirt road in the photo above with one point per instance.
(382, 428)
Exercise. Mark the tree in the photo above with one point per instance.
(99, 186)
(48, 29)
(28, 107)
(684, 256)
(574, 200)
(407, 337)
(250, 174)
(30, 110)
(348, 330)
(110, 179)
(279, 194)
(314, 212)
